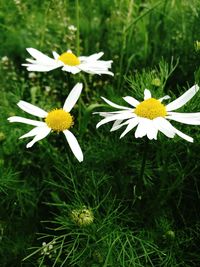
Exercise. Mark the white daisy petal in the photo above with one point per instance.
(42, 133)
(41, 68)
(114, 105)
(164, 126)
(115, 125)
(30, 60)
(106, 114)
(90, 64)
(35, 131)
(131, 100)
(39, 56)
(184, 115)
(133, 123)
(147, 94)
(72, 69)
(164, 98)
(73, 97)
(121, 116)
(26, 121)
(110, 113)
(55, 55)
(183, 99)
(152, 131)
(186, 120)
(92, 69)
(184, 136)
(92, 58)
(32, 109)
(141, 130)
(74, 145)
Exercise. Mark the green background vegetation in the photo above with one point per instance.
(138, 221)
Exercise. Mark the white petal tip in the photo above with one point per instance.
(28, 146)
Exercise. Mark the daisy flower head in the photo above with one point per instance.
(151, 115)
(68, 62)
(58, 120)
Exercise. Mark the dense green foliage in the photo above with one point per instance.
(140, 219)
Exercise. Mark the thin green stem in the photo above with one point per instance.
(144, 160)
(78, 31)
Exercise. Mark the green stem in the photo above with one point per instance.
(144, 160)
(77, 26)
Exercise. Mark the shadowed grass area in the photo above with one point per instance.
(114, 209)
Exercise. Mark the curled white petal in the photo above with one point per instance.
(42, 133)
(132, 123)
(119, 125)
(121, 116)
(115, 125)
(35, 131)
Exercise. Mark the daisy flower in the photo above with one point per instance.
(68, 62)
(56, 120)
(151, 115)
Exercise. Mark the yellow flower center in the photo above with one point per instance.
(59, 120)
(69, 58)
(150, 109)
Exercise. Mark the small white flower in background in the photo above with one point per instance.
(72, 28)
(5, 60)
(68, 62)
(47, 249)
(32, 75)
(151, 116)
(56, 120)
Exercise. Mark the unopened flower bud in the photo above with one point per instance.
(82, 217)
(156, 82)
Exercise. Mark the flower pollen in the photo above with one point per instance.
(59, 120)
(68, 58)
(150, 109)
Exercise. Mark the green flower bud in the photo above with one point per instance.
(170, 234)
(82, 216)
(156, 82)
